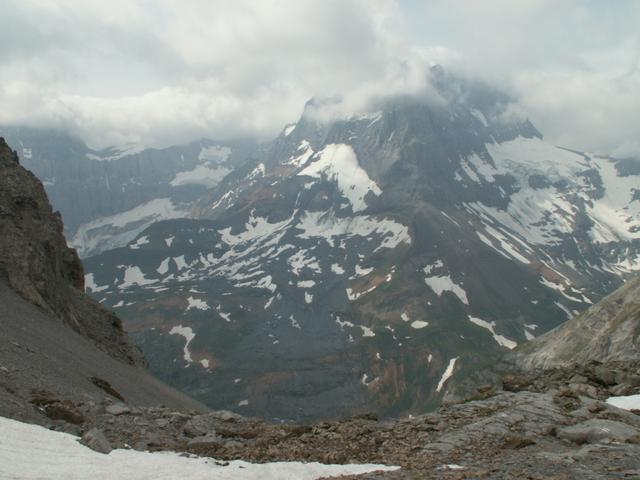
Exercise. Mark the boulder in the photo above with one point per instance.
(205, 441)
(199, 425)
(95, 440)
(598, 431)
(117, 409)
(64, 410)
(225, 415)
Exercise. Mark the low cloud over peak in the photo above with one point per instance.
(158, 72)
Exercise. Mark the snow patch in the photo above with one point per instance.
(180, 262)
(447, 374)
(225, 316)
(200, 175)
(216, 153)
(294, 322)
(326, 225)
(491, 326)
(337, 269)
(443, 283)
(90, 284)
(288, 129)
(116, 153)
(197, 304)
(367, 332)
(164, 266)
(139, 242)
(188, 335)
(259, 171)
(119, 229)
(303, 154)
(134, 276)
(629, 402)
(60, 455)
(417, 324)
(339, 163)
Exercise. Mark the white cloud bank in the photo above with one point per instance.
(165, 72)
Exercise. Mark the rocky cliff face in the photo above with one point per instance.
(36, 262)
(608, 331)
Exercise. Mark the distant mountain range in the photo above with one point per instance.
(109, 196)
(364, 262)
(67, 365)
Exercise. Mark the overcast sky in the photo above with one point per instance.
(159, 72)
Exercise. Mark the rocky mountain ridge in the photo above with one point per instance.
(375, 259)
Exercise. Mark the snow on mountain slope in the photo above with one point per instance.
(340, 164)
(30, 452)
(473, 228)
(89, 187)
(209, 173)
(540, 211)
(116, 230)
(116, 152)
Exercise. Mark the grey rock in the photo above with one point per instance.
(598, 431)
(584, 389)
(231, 444)
(117, 409)
(205, 441)
(634, 380)
(200, 425)
(605, 375)
(95, 440)
(161, 422)
(578, 379)
(621, 389)
(225, 415)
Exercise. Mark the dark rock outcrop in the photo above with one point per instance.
(60, 351)
(37, 263)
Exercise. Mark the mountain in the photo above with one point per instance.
(108, 196)
(369, 261)
(608, 331)
(55, 338)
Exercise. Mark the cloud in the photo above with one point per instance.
(158, 72)
(571, 64)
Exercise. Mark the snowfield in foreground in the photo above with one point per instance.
(630, 402)
(33, 452)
